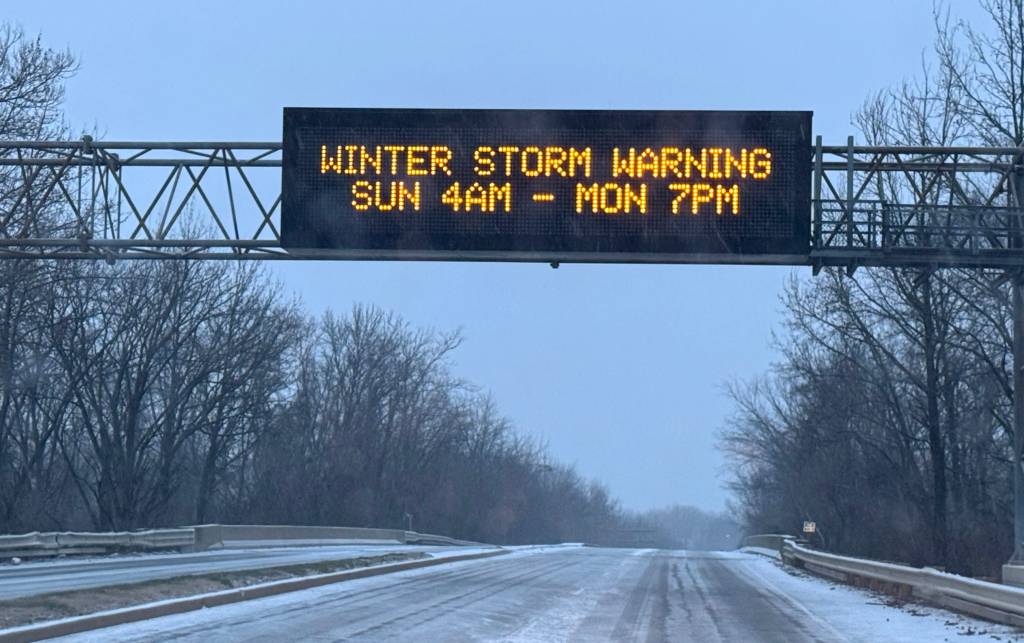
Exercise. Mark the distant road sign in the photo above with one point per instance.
(810, 527)
(545, 185)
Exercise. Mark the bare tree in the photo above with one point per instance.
(31, 94)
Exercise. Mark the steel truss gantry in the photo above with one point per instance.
(871, 205)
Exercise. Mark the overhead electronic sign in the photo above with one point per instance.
(546, 185)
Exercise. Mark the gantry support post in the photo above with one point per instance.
(1017, 281)
(1018, 417)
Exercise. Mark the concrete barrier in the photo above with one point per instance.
(1013, 575)
(417, 538)
(216, 536)
(990, 601)
(203, 537)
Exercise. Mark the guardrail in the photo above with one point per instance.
(202, 537)
(38, 544)
(990, 601)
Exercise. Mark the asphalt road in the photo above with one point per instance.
(568, 594)
(44, 577)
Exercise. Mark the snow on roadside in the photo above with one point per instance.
(863, 615)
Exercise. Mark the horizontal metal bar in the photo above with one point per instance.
(88, 161)
(142, 254)
(202, 149)
(838, 150)
(918, 258)
(843, 150)
(554, 257)
(119, 248)
(98, 162)
(936, 258)
(910, 166)
(149, 243)
(151, 145)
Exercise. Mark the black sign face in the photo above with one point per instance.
(546, 185)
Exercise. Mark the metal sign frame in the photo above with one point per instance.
(342, 168)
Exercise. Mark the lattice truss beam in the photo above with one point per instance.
(132, 200)
(871, 205)
(916, 206)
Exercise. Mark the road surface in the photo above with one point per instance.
(44, 577)
(570, 594)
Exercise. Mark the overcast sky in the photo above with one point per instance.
(619, 368)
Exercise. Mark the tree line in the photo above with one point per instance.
(148, 394)
(888, 419)
(687, 527)
(164, 393)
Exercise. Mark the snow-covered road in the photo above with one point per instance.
(44, 577)
(572, 594)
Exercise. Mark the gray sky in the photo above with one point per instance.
(619, 368)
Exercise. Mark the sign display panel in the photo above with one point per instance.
(545, 185)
